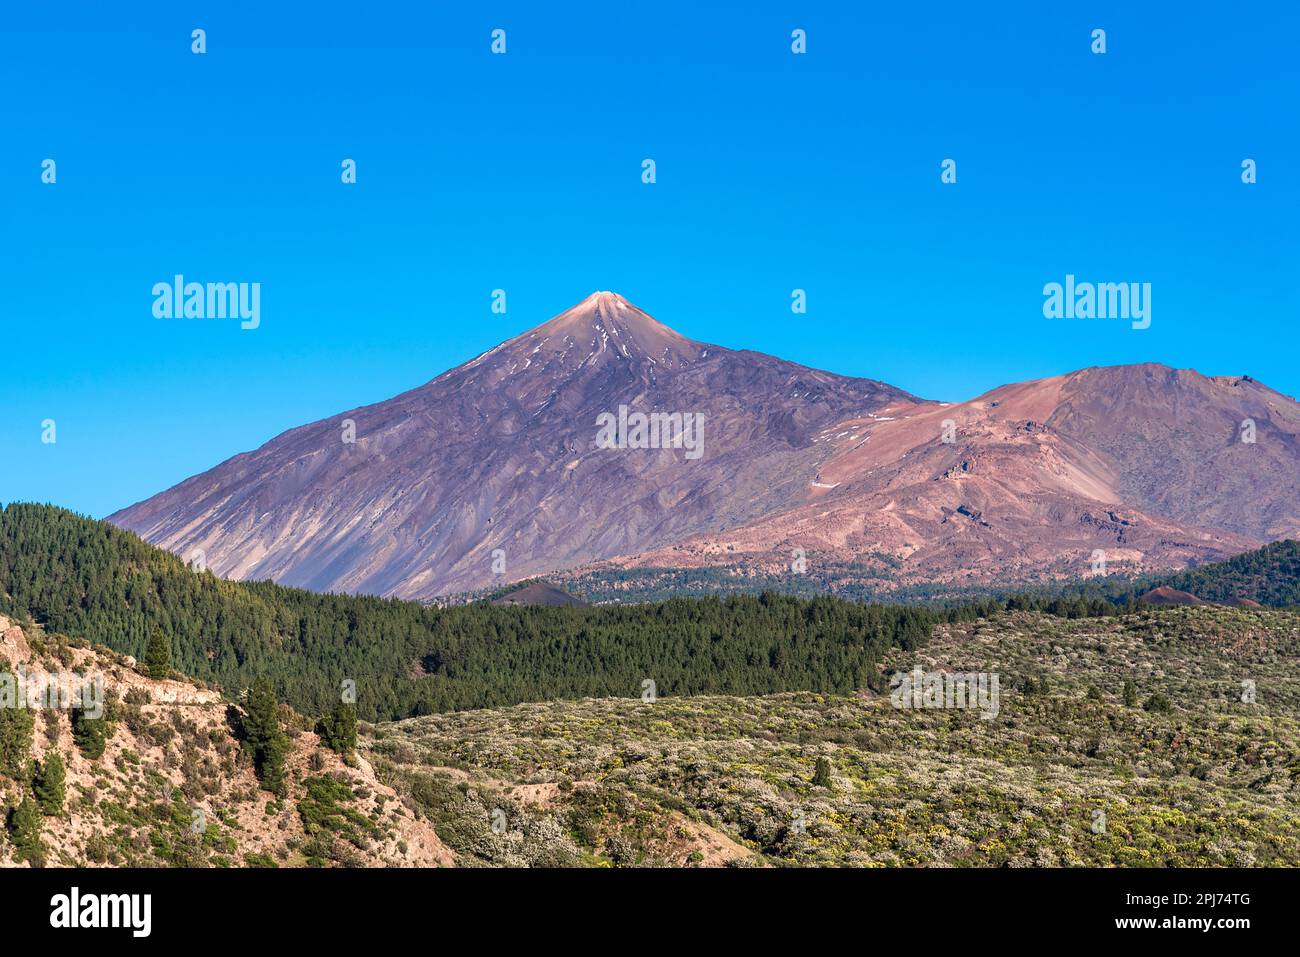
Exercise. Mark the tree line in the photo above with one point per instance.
(92, 580)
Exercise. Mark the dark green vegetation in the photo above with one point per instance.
(16, 729)
(48, 785)
(1269, 575)
(325, 807)
(91, 734)
(94, 581)
(1078, 767)
(264, 735)
(25, 832)
(338, 729)
(158, 656)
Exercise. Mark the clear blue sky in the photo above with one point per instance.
(522, 172)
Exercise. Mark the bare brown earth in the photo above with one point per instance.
(173, 762)
(1143, 463)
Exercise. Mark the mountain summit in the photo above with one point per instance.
(616, 327)
(492, 472)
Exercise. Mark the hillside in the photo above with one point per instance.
(93, 581)
(1076, 768)
(1164, 595)
(1116, 742)
(174, 784)
(1270, 576)
(537, 593)
(687, 732)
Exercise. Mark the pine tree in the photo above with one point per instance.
(822, 775)
(16, 726)
(1130, 695)
(338, 729)
(49, 786)
(25, 832)
(91, 734)
(265, 736)
(1158, 703)
(158, 656)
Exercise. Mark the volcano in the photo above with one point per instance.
(506, 468)
(492, 471)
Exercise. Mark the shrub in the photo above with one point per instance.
(822, 775)
(1158, 704)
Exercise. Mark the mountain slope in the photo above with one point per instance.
(1270, 576)
(96, 582)
(500, 453)
(1141, 463)
(1174, 437)
(1208, 780)
(494, 472)
(173, 787)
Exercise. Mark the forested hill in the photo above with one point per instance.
(92, 580)
(1268, 575)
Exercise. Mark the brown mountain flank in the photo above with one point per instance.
(1029, 484)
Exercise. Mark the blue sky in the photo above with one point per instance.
(523, 172)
